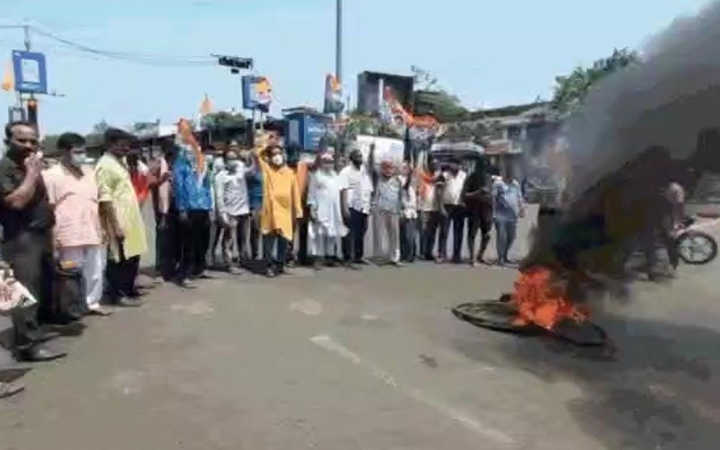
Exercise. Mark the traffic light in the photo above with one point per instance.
(235, 62)
(32, 111)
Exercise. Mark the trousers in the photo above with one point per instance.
(505, 230)
(408, 239)
(483, 223)
(429, 224)
(455, 217)
(195, 242)
(386, 226)
(91, 259)
(29, 254)
(353, 243)
(121, 276)
(274, 241)
(167, 246)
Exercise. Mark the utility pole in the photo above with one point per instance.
(338, 42)
(32, 105)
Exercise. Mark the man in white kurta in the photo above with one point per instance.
(326, 227)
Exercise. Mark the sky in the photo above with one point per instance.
(488, 53)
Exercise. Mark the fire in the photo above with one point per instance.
(541, 299)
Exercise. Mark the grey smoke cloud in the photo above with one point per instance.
(665, 101)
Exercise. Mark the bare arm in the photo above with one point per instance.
(20, 197)
(110, 221)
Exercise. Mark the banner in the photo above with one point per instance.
(333, 95)
(257, 92)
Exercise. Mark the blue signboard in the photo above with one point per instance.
(306, 130)
(30, 72)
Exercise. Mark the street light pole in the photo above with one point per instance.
(338, 43)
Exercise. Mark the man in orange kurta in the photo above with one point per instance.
(281, 206)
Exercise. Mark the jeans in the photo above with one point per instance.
(353, 244)
(195, 240)
(429, 223)
(408, 239)
(505, 230)
(270, 241)
(234, 230)
(483, 223)
(456, 217)
(255, 235)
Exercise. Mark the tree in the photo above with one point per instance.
(100, 127)
(49, 144)
(571, 90)
(431, 98)
(223, 120)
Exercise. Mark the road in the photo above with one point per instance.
(375, 360)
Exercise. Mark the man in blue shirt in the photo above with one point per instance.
(255, 197)
(193, 200)
(508, 207)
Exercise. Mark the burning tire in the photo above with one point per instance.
(696, 247)
(495, 315)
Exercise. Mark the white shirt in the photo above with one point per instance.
(453, 188)
(359, 187)
(387, 197)
(231, 191)
(324, 197)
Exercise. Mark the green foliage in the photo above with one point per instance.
(223, 120)
(571, 90)
(100, 127)
(49, 144)
(431, 98)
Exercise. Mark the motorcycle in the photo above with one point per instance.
(694, 244)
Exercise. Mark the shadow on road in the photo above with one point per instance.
(658, 391)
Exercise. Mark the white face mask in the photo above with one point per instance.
(278, 160)
(78, 159)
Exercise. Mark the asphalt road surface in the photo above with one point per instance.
(374, 360)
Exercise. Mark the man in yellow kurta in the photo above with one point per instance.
(120, 213)
(281, 205)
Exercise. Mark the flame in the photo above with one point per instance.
(541, 299)
(187, 137)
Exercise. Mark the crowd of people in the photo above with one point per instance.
(73, 233)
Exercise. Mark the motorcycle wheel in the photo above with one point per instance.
(696, 247)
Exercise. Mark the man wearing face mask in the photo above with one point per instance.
(73, 193)
(281, 207)
(357, 193)
(232, 206)
(327, 225)
(27, 221)
(121, 216)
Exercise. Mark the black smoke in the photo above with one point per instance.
(640, 129)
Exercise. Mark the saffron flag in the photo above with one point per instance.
(8, 79)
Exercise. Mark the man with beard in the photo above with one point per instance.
(356, 197)
(27, 222)
(73, 193)
(120, 212)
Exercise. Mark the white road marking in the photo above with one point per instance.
(329, 344)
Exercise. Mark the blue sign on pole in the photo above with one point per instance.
(30, 72)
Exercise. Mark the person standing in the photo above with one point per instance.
(255, 201)
(281, 207)
(166, 240)
(232, 206)
(27, 223)
(508, 208)
(356, 199)
(193, 200)
(452, 212)
(478, 203)
(120, 212)
(327, 227)
(409, 217)
(387, 207)
(428, 205)
(73, 193)
(217, 232)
